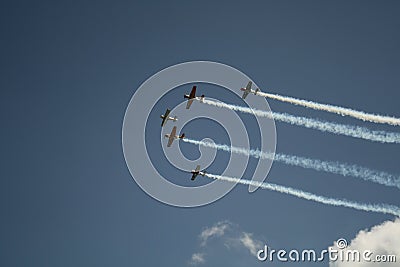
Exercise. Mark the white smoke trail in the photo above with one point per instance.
(340, 129)
(382, 208)
(335, 109)
(343, 169)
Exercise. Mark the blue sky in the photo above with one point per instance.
(70, 68)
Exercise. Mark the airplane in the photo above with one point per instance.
(166, 118)
(197, 172)
(248, 90)
(192, 96)
(172, 136)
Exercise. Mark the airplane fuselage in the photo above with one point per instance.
(169, 118)
(250, 90)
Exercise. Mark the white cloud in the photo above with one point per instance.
(244, 240)
(382, 239)
(250, 243)
(217, 230)
(228, 234)
(197, 258)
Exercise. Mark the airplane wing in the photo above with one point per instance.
(248, 87)
(194, 175)
(171, 137)
(193, 92)
(245, 93)
(197, 168)
(170, 141)
(189, 103)
(164, 120)
(165, 117)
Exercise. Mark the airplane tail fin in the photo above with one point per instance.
(175, 118)
(182, 136)
(257, 90)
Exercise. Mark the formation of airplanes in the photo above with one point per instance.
(190, 97)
